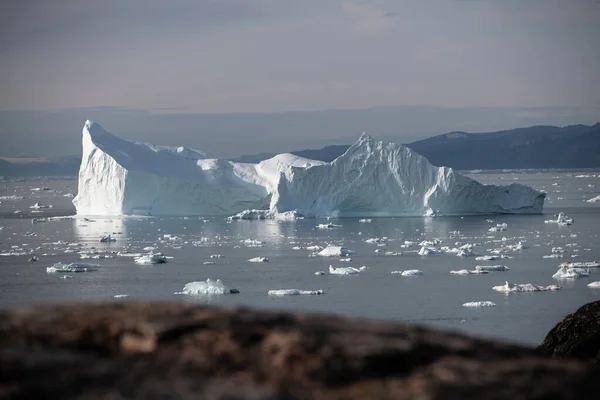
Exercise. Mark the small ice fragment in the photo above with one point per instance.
(258, 259)
(335, 251)
(479, 304)
(409, 272)
(293, 292)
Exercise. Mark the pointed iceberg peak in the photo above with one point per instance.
(365, 137)
(92, 128)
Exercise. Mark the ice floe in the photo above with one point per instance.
(258, 259)
(208, 287)
(524, 287)
(335, 251)
(571, 273)
(409, 272)
(151, 258)
(594, 199)
(594, 285)
(477, 304)
(73, 267)
(346, 270)
(293, 292)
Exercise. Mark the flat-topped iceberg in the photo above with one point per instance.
(208, 287)
(524, 287)
(372, 178)
(346, 270)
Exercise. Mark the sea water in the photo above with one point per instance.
(198, 248)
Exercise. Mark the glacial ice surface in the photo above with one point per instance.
(372, 178)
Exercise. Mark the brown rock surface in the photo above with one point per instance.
(577, 335)
(178, 351)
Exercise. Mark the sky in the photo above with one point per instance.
(532, 61)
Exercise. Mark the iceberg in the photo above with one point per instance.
(524, 287)
(594, 199)
(335, 251)
(258, 259)
(490, 268)
(372, 178)
(151, 258)
(293, 292)
(409, 272)
(571, 273)
(594, 285)
(208, 287)
(346, 270)
(73, 267)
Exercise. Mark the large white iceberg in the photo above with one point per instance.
(371, 178)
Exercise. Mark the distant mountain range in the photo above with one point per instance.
(575, 146)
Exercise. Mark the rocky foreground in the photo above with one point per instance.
(577, 335)
(178, 351)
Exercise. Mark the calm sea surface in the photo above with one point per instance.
(435, 298)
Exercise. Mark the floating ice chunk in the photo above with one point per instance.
(313, 248)
(292, 292)
(11, 197)
(347, 259)
(571, 273)
(328, 225)
(594, 199)
(107, 239)
(251, 215)
(409, 272)
(151, 258)
(216, 256)
(562, 219)
(66, 277)
(376, 240)
(594, 285)
(346, 270)
(38, 206)
(465, 253)
(498, 228)
(208, 287)
(392, 253)
(368, 220)
(487, 258)
(320, 273)
(580, 264)
(258, 259)
(335, 251)
(425, 250)
(526, 287)
(490, 268)
(461, 272)
(68, 195)
(120, 296)
(479, 304)
(553, 256)
(73, 267)
(252, 242)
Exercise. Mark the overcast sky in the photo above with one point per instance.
(265, 56)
